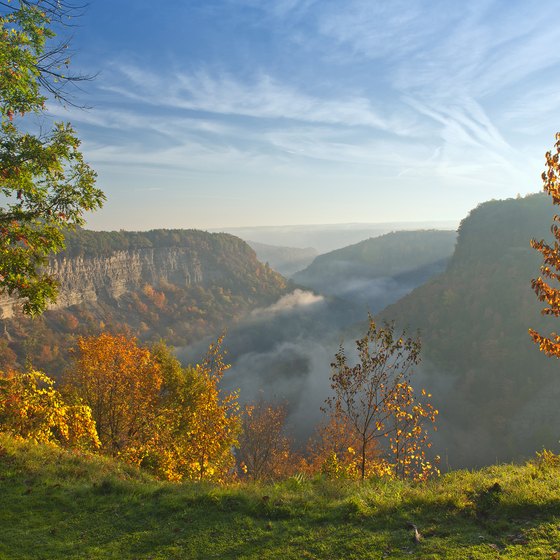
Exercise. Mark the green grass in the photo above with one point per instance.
(56, 504)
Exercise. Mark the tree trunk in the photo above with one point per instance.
(364, 447)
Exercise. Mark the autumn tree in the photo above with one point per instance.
(31, 408)
(332, 451)
(546, 286)
(213, 422)
(45, 184)
(375, 396)
(121, 383)
(408, 434)
(197, 424)
(264, 450)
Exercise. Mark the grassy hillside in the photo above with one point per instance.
(497, 393)
(57, 504)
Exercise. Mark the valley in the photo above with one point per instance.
(189, 287)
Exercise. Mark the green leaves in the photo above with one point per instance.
(45, 184)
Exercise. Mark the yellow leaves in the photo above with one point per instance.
(198, 428)
(30, 407)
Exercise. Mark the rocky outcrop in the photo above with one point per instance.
(193, 259)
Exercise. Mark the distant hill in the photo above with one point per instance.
(328, 237)
(285, 260)
(387, 266)
(173, 284)
(498, 394)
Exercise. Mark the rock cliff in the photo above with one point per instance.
(102, 267)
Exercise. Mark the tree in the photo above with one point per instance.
(264, 451)
(31, 408)
(121, 383)
(375, 397)
(196, 426)
(213, 423)
(408, 436)
(331, 451)
(547, 290)
(45, 184)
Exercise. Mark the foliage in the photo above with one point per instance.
(32, 409)
(121, 384)
(332, 451)
(264, 451)
(138, 405)
(376, 399)
(212, 424)
(408, 437)
(45, 183)
(224, 282)
(196, 425)
(550, 270)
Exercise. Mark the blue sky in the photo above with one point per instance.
(262, 112)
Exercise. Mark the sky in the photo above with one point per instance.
(207, 114)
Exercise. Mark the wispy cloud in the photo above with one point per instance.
(261, 97)
(447, 64)
(383, 29)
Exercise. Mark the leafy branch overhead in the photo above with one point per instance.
(45, 184)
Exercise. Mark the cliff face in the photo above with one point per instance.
(104, 272)
(88, 279)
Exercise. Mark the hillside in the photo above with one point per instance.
(57, 504)
(497, 393)
(328, 237)
(172, 284)
(393, 263)
(285, 260)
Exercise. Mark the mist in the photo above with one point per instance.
(283, 352)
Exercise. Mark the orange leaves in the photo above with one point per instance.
(121, 383)
(336, 450)
(147, 409)
(264, 452)
(547, 293)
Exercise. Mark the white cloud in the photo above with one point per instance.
(263, 97)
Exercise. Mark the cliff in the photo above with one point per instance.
(179, 285)
(89, 273)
